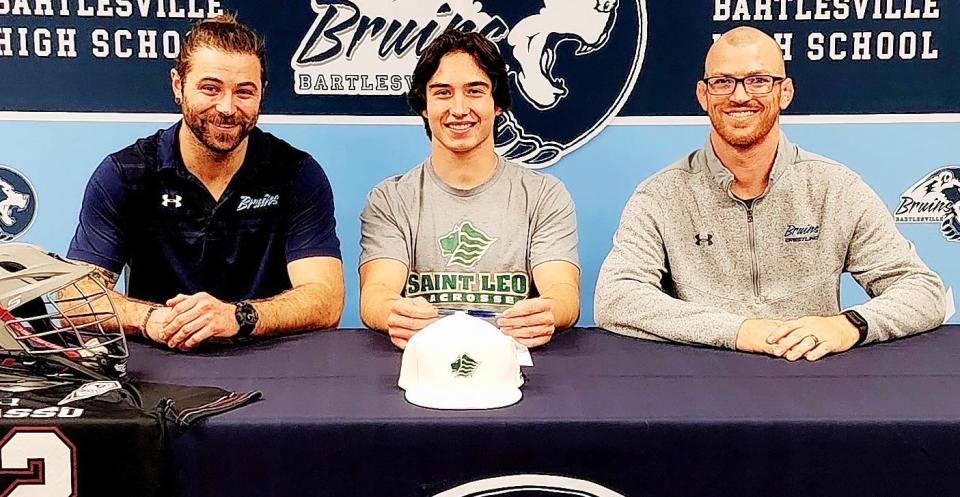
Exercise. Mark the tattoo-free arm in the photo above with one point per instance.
(383, 309)
(559, 281)
(381, 281)
(314, 302)
(630, 297)
(907, 297)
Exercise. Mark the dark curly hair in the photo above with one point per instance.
(483, 51)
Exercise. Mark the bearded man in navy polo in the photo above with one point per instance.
(224, 231)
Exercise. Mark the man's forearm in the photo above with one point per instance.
(130, 312)
(913, 304)
(309, 306)
(630, 307)
(565, 302)
(375, 302)
(908, 297)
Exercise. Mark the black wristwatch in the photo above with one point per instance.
(247, 318)
(857, 320)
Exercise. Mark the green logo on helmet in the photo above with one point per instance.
(465, 245)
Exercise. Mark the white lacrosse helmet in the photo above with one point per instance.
(56, 316)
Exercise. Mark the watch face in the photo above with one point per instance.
(246, 314)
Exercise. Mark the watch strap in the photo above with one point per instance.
(247, 317)
(859, 322)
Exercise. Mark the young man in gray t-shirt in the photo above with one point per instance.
(466, 228)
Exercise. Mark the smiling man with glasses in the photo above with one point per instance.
(741, 244)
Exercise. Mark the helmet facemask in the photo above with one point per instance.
(56, 317)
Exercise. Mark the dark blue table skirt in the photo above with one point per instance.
(639, 418)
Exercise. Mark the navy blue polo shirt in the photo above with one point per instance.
(144, 210)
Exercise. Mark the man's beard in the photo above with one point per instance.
(203, 126)
(743, 137)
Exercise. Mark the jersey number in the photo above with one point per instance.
(37, 462)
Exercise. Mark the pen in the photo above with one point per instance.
(477, 313)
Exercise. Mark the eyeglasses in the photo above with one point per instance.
(756, 84)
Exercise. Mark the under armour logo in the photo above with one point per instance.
(701, 241)
(174, 202)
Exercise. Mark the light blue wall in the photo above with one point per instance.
(58, 157)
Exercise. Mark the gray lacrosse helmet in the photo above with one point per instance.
(55, 314)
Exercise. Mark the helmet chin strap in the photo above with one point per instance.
(54, 367)
(82, 371)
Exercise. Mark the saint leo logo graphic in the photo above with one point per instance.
(530, 486)
(934, 199)
(18, 204)
(465, 245)
(554, 49)
(464, 366)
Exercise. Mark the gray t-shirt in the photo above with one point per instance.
(470, 248)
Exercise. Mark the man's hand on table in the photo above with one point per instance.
(530, 322)
(813, 337)
(407, 317)
(753, 333)
(195, 318)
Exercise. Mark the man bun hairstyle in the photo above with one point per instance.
(484, 53)
(224, 33)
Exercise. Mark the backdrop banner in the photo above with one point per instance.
(875, 82)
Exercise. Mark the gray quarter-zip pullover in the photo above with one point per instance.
(691, 262)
